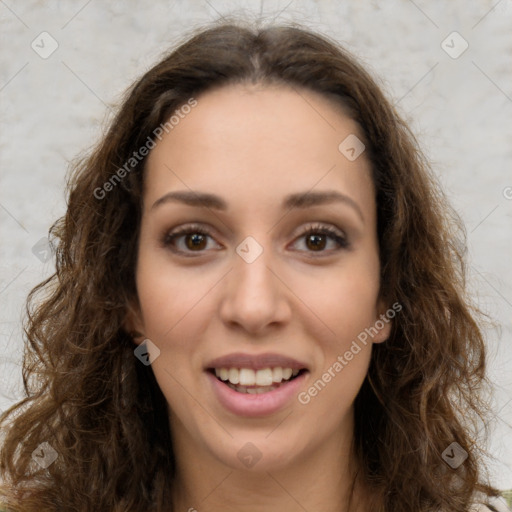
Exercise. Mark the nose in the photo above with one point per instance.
(256, 298)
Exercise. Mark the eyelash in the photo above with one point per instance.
(317, 229)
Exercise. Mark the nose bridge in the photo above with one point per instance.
(252, 263)
(254, 296)
(252, 276)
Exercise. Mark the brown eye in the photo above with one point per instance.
(316, 242)
(188, 239)
(319, 237)
(195, 241)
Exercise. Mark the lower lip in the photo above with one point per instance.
(253, 405)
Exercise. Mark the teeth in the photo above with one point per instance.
(262, 378)
(252, 391)
(277, 374)
(234, 376)
(247, 376)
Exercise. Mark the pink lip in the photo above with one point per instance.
(255, 362)
(245, 404)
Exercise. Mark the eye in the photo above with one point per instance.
(316, 238)
(187, 239)
(194, 238)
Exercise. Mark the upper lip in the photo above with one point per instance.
(255, 361)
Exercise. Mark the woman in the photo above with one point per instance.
(259, 302)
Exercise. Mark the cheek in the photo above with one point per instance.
(177, 305)
(345, 300)
(174, 311)
(346, 308)
(168, 299)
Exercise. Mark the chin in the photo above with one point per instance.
(258, 453)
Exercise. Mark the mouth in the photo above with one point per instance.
(256, 385)
(250, 381)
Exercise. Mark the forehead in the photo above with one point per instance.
(259, 143)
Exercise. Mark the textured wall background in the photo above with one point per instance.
(53, 106)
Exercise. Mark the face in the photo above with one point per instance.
(257, 270)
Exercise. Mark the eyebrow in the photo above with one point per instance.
(300, 200)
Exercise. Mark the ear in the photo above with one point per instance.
(133, 324)
(383, 322)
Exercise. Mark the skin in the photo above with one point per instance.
(254, 145)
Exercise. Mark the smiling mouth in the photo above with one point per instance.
(247, 380)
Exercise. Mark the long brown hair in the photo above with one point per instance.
(102, 411)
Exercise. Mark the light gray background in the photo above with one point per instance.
(461, 109)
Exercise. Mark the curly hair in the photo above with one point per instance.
(104, 414)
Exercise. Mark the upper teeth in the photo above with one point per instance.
(249, 377)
